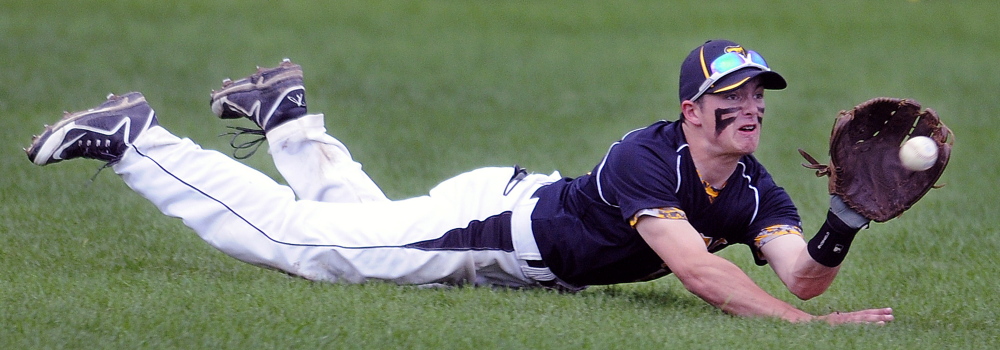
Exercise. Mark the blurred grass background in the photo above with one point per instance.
(423, 90)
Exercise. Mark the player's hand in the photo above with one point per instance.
(875, 316)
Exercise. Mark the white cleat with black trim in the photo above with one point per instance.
(102, 133)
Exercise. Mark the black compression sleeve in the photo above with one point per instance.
(831, 243)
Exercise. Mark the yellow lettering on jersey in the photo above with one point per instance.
(712, 243)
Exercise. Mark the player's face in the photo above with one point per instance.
(733, 118)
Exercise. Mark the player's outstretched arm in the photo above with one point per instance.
(723, 284)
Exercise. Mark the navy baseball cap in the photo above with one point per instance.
(722, 65)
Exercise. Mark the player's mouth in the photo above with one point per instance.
(748, 128)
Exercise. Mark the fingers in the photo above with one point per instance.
(869, 316)
(877, 316)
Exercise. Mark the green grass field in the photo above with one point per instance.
(423, 90)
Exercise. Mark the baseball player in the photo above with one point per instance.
(662, 200)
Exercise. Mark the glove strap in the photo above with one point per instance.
(829, 247)
(846, 214)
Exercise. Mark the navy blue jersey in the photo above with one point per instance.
(582, 225)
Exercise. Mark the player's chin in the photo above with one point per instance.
(742, 149)
(747, 151)
(746, 143)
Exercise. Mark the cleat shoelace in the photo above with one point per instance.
(250, 147)
(98, 149)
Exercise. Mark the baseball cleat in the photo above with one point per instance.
(269, 97)
(102, 133)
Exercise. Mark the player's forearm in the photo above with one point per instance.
(723, 285)
(712, 278)
(818, 264)
(731, 290)
(799, 271)
(809, 278)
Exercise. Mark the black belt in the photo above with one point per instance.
(536, 263)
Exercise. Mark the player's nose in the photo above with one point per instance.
(753, 109)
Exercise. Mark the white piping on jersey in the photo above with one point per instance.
(756, 194)
(678, 170)
(597, 175)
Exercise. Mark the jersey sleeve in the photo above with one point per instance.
(634, 177)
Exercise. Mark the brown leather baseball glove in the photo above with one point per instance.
(865, 169)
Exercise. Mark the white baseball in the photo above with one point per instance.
(919, 153)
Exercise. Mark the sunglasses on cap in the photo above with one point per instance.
(728, 63)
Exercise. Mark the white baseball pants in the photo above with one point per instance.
(341, 228)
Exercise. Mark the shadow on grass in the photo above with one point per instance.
(659, 295)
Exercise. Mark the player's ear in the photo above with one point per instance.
(691, 112)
